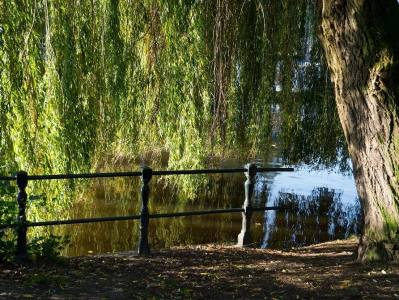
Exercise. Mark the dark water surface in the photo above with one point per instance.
(323, 206)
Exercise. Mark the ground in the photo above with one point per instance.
(325, 270)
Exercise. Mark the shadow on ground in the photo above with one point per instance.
(325, 270)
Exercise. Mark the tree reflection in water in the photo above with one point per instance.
(314, 215)
(318, 217)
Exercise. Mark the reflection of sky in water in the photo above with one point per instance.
(302, 182)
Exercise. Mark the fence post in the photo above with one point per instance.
(144, 248)
(244, 238)
(22, 250)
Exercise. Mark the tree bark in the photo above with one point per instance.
(361, 47)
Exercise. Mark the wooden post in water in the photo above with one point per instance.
(244, 238)
(144, 248)
(22, 250)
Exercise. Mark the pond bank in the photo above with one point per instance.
(213, 271)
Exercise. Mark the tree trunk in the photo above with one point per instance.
(361, 46)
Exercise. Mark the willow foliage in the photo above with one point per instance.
(83, 82)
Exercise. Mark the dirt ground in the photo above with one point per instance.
(226, 272)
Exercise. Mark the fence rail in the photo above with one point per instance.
(244, 238)
(136, 174)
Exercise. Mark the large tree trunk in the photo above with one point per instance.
(361, 46)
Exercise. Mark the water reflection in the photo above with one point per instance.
(121, 197)
(320, 206)
(317, 212)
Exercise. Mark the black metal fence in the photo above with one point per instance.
(146, 173)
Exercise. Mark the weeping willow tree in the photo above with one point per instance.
(83, 82)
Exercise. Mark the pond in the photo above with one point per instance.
(323, 205)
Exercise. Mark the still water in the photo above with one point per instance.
(323, 206)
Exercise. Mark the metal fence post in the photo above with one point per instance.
(22, 249)
(244, 238)
(144, 248)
